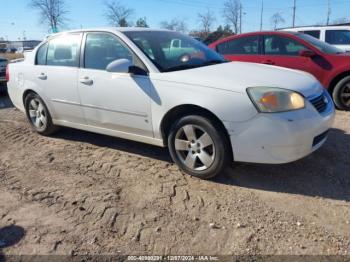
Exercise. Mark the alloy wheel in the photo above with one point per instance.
(37, 114)
(194, 147)
(345, 95)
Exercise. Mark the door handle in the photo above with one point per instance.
(268, 62)
(86, 81)
(42, 76)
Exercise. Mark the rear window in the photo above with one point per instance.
(338, 37)
(41, 55)
(240, 46)
(64, 51)
(314, 33)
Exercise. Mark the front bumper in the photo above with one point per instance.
(282, 137)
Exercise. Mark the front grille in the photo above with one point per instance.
(320, 138)
(320, 103)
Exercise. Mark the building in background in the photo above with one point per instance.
(18, 46)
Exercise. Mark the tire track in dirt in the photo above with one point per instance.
(118, 201)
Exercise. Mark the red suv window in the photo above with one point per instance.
(241, 46)
(279, 45)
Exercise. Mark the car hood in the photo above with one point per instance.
(238, 76)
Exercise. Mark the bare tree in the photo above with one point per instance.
(231, 12)
(277, 19)
(52, 12)
(117, 14)
(206, 21)
(175, 25)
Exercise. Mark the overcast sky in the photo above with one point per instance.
(16, 19)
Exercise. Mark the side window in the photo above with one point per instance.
(101, 49)
(41, 55)
(314, 33)
(241, 46)
(338, 37)
(278, 45)
(64, 51)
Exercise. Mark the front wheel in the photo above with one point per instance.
(198, 148)
(341, 94)
(38, 115)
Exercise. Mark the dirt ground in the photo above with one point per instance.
(82, 193)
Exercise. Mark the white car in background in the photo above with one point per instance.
(3, 64)
(338, 36)
(131, 83)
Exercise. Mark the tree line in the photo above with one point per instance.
(54, 13)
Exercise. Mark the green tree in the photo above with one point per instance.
(221, 32)
(142, 22)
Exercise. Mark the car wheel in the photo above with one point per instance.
(198, 148)
(341, 94)
(38, 115)
(3, 88)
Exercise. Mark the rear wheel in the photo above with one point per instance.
(341, 94)
(38, 115)
(3, 88)
(198, 148)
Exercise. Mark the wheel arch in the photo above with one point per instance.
(25, 93)
(189, 109)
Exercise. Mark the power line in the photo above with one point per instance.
(294, 11)
(262, 14)
(329, 11)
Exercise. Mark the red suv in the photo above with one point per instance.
(330, 65)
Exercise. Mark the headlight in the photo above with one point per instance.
(273, 100)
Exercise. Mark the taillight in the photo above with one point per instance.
(7, 73)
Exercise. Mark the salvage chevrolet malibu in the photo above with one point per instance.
(167, 89)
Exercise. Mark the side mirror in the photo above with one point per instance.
(307, 53)
(119, 66)
(135, 70)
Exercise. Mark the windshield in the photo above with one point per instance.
(322, 46)
(172, 51)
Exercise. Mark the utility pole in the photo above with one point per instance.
(294, 11)
(262, 14)
(240, 18)
(329, 11)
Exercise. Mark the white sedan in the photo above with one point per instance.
(136, 84)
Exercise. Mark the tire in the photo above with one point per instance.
(198, 148)
(341, 94)
(38, 115)
(3, 89)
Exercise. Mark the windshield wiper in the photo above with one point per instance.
(180, 67)
(184, 67)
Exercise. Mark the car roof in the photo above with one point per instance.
(255, 33)
(110, 29)
(334, 27)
